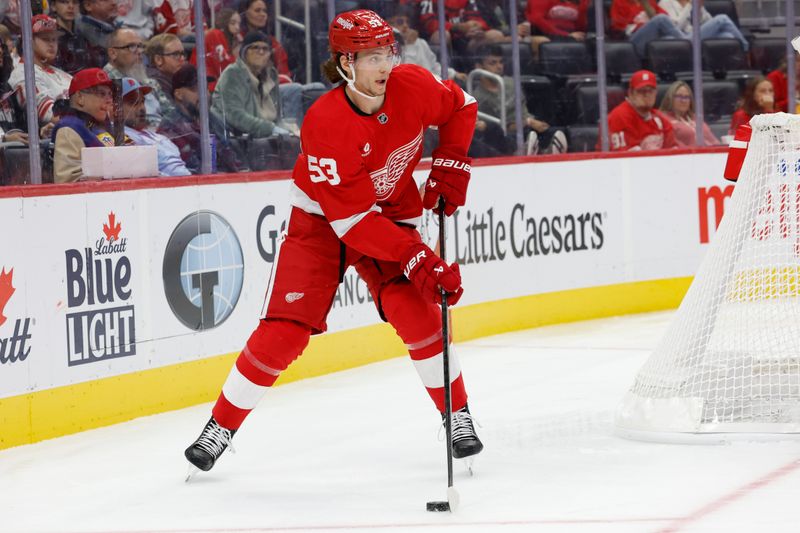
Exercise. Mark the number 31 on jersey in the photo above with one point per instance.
(323, 169)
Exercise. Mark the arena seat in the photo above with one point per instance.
(669, 58)
(588, 108)
(621, 60)
(565, 59)
(719, 99)
(726, 59)
(722, 7)
(767, 53)
(582, 138)
(15, 166)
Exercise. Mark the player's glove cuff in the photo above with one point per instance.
(448, 179)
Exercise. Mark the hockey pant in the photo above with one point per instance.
(308, 269)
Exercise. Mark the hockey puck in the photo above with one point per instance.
(438, 507)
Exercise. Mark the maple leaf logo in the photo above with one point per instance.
(113, 228)
(6, 290)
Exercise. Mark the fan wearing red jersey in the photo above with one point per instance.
(635, 124)
(354, 202)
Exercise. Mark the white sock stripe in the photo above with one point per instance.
(258, 364)
(242, 392)
(425, 342)
(431, 372)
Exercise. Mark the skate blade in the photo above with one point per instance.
(468, 462)
(193, 470)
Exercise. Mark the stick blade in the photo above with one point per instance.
(453, 498)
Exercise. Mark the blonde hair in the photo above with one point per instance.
(157, 44)
(669, 96)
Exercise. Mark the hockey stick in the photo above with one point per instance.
(452, 495)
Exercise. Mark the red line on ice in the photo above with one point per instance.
(731, 497)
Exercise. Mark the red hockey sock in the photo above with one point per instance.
(270, 350)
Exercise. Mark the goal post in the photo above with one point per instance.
(729, 364)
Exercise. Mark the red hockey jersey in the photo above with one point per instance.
(355, 169)
(628, 130)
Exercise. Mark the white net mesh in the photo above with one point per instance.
(730, 361)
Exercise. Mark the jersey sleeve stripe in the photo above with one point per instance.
(468, 99)
(343, 225)
(301, 200)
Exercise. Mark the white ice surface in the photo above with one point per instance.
(358, 450)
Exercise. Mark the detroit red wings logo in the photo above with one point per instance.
(385, 179)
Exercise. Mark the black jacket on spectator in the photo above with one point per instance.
(95, 32)
(75, 53)
(184, 131)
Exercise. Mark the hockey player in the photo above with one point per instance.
(354, 202)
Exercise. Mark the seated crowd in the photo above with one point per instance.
(256, 106)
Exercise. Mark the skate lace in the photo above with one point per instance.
(214, 439)
(462, 426)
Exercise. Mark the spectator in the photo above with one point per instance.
(138, 15)
(643, 21)
(12, 115)
(255, 17)
(247, 92)
(635, 124)
(678, 105)
(84, 124)
(780, 84)
(169, 157)
(165, 55)
(464, 25)
(98, 22)
(758, 98)
(182, 124)
(74, 51)
(174, 16)
(125, 60)
(229, 22)
(559, 20)
(218, 55)
(51, 83)
(416, 50)
(8, 40)
(540, 136)
(717, 27)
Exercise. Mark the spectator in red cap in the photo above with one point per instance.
(84, 124)
(51, 82)
(635, 124)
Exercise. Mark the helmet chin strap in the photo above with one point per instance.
(351, 82)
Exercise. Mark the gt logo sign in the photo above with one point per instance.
(452, 163)
(413, 262)
(323, 169)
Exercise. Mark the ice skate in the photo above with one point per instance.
(466, 443)
(205, 451)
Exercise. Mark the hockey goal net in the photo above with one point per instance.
(729, 364)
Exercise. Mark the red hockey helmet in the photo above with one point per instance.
(362, 29)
